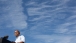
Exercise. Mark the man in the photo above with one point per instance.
(19, 38)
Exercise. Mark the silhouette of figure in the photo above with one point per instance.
(5, 39)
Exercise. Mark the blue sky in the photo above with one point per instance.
(40, 21)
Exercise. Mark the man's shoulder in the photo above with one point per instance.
(21, 35)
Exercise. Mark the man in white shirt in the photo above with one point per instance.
(19, 38)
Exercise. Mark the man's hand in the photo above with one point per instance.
(17, 42)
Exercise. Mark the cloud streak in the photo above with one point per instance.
(12, 14)
(53, 21)
(54, 38)
(52, 16)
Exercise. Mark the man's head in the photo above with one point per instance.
(17, 33)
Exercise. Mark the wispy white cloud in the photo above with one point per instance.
(12, 14)
(55, 17)
(44, 9)
(72, 17)
(55, 13)
(40, 10)
(54, 38)
(68, 27)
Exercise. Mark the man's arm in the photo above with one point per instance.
(21, 42)
(18, 42)
(22, 38)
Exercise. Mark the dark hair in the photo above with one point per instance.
(18, 31)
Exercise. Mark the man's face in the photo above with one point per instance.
(16, 33)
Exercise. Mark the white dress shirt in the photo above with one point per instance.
(20, 38)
